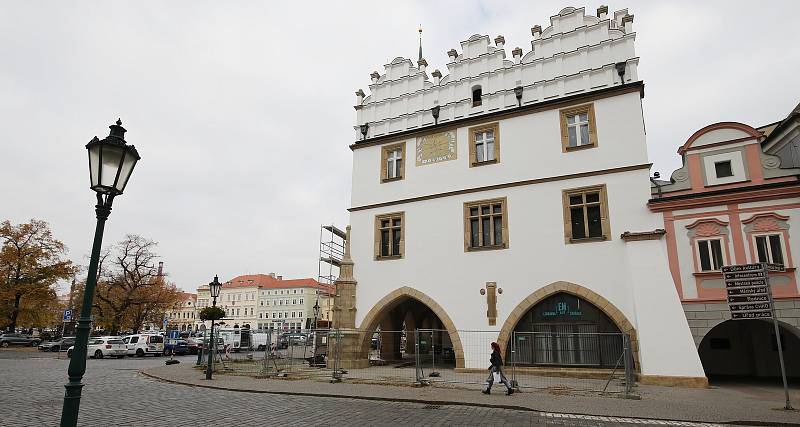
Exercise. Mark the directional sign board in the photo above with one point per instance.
(67, 315)
(747, 286)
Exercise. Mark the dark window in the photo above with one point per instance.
(486, 224)
(390, 229)
(710, 252)
(723, 169)
(477, 93)
(769, 248)
(586, 215)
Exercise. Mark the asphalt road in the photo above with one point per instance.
(116, 394)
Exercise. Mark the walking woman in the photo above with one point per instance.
(496, 372)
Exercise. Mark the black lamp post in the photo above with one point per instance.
(213, 287)
(111, 162)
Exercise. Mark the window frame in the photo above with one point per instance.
(473, 151)
(723, 253)
(571, 111)
(385, 151)
(390, 217)
(730, 169)
(467, 230)
(605, 221)
(767, 234)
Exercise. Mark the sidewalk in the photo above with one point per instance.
(736, 405)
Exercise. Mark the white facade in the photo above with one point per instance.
(573, 63)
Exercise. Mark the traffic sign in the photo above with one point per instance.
(755, 290)
(775, 267)
(765, 314)
(68, 315)
(748, 298)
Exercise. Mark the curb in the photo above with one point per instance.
(451, 403)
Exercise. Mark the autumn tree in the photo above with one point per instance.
(31, 264)
(130, 290)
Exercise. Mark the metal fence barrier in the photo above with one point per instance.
(557, 362)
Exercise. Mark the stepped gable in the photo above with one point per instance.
(576, 53)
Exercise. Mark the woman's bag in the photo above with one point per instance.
(496, 376)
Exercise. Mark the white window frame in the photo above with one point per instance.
(482, 151)
(723, 253)
(393, 159)
(769, 247)
(579, 142)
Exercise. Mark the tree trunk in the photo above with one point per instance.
(15, 313)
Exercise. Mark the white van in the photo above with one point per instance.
(235, 338)
(139, 345)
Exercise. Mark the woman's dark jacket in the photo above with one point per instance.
(496, 360)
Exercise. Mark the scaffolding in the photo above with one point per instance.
(331, 252)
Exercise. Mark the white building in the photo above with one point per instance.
(511, 194)
(267, 301)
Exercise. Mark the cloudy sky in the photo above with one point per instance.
(242, 110)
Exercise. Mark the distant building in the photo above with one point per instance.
(736, 200)
(267, 301)
(184, 316)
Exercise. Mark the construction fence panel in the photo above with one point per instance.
(440, 363)
(568, 362)
(374, 356)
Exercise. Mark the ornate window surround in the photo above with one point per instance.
(708, 229)
(767, 224)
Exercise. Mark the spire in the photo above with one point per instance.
(420, 42)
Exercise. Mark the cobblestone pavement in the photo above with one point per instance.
(116, 394)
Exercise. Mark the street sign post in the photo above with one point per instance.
(750, 297)
(67, 315)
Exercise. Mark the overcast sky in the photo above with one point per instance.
(243, 111)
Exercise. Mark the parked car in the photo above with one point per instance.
(179, 347)
(100, 347)
(194, 344)
(18, 339)
(59, 345)
(141, 344)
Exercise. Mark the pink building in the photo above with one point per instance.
(736, 200)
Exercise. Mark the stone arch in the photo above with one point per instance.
(373, 317)
(619, 319)
(747, 353)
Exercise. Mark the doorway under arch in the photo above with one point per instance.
(557, 315)
(736, 349)
(388, 328)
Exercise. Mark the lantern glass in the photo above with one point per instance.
(110, 161)
(215, 287)
(94, 164)
(128, 162)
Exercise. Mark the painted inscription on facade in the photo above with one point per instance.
(437, 147)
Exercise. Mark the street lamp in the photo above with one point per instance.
(213, 287)
(111, 162)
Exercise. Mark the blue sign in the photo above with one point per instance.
(67, 315)
(562, 309)
(174, 334)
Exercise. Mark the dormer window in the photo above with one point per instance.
(723, 169)
(477, 94)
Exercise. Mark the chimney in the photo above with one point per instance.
(517, 52)
(500, 41)
(160, 268)
(536, 32)
(437, 76)
(272, 275)
(602, 12)
(627, 23)
(359, 97)
(422, 64)
(452, 54)
(374, 76)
